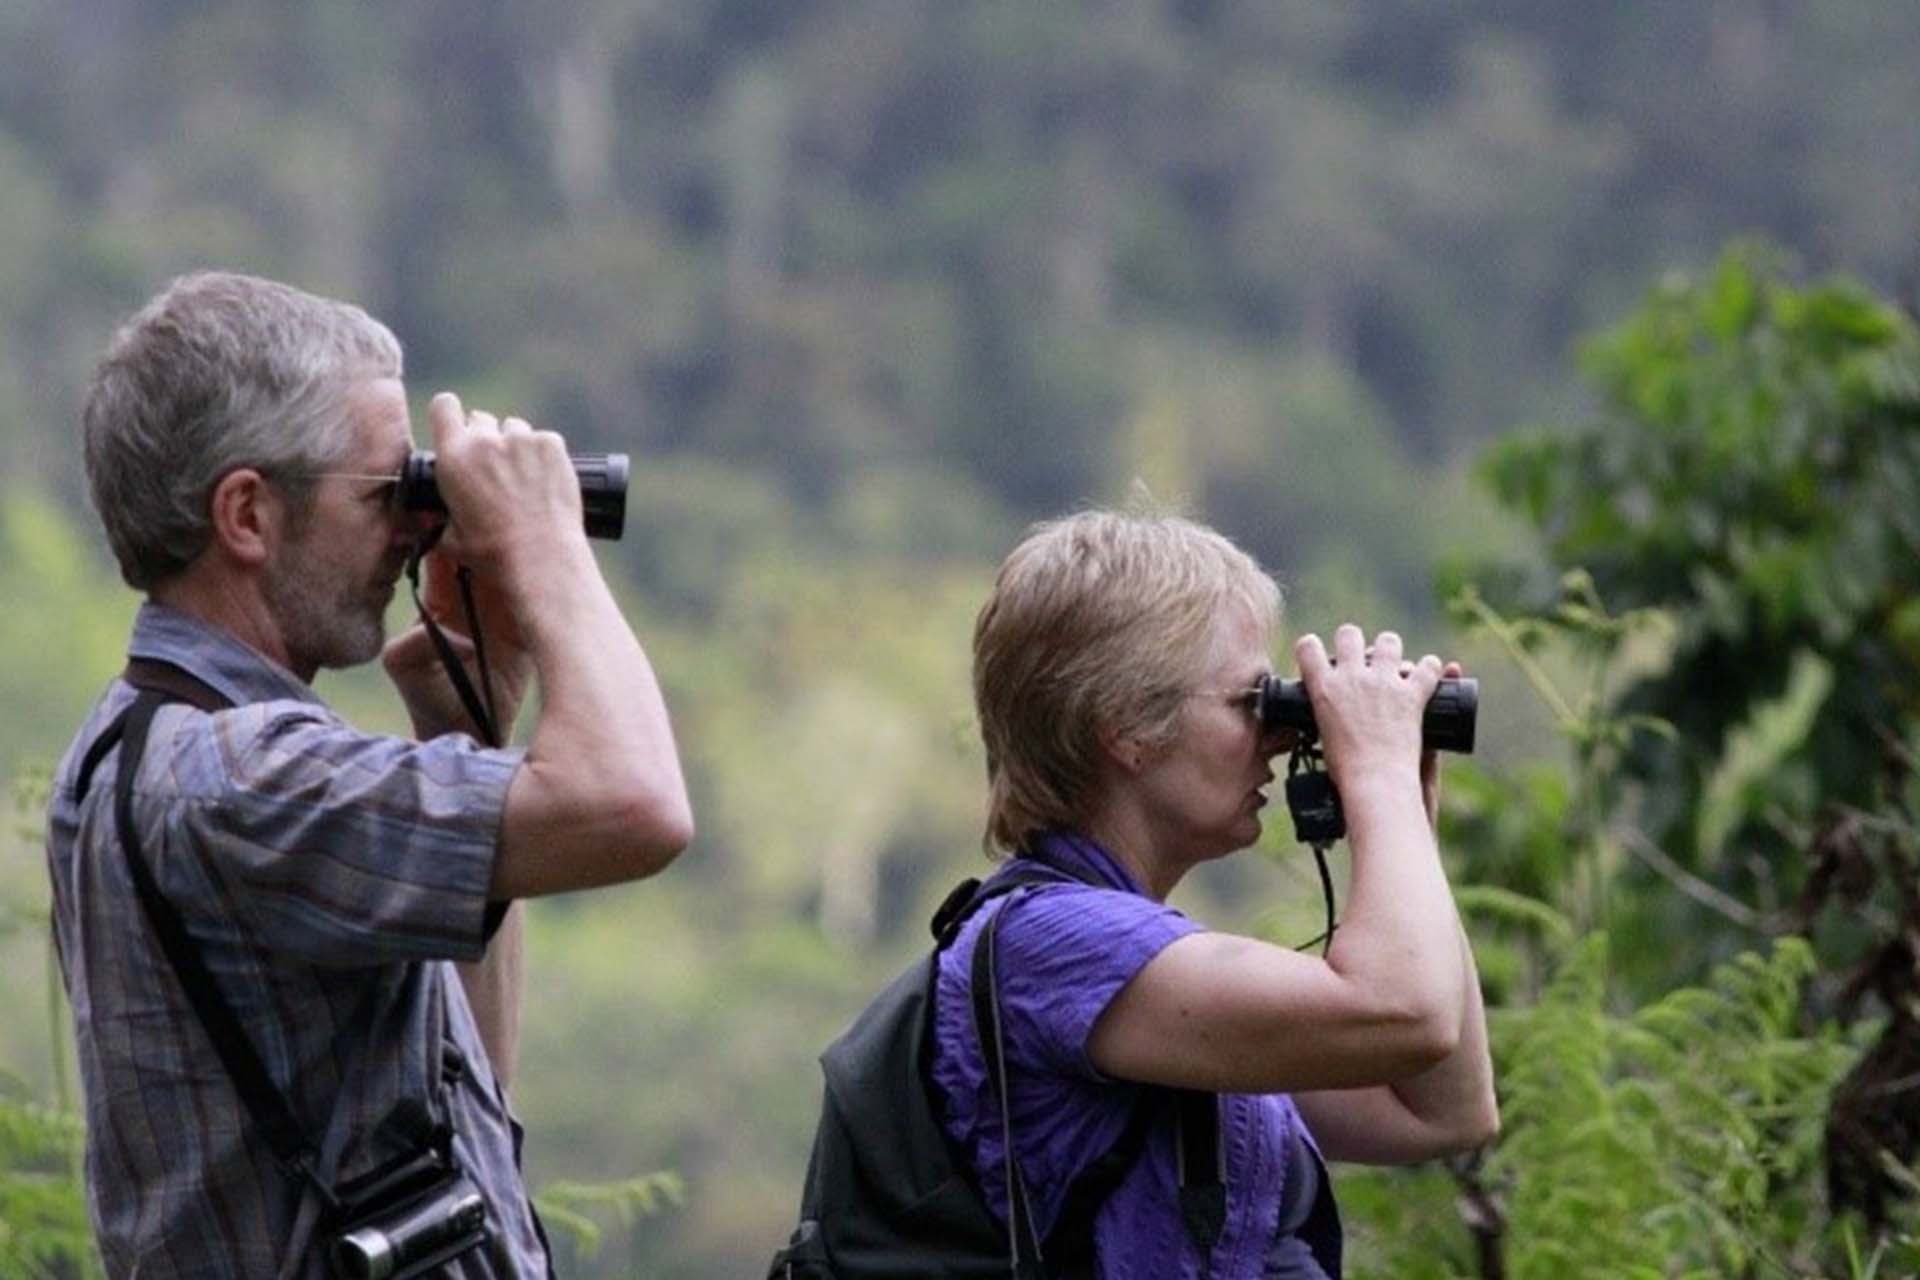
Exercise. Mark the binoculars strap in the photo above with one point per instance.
(479, 705)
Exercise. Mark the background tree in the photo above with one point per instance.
(1707, 1130)
(866, 285)
(1753, 481)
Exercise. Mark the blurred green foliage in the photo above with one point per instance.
(1681, 1139)
(1748, 500)
(865, 285)
(1703, 1129)
(43, 1219)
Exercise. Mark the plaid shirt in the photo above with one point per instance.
(327, 876)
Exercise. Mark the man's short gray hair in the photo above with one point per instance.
(1099, 623)
(219, 371)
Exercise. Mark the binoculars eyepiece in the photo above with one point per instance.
(603, 490)
(1447, 725)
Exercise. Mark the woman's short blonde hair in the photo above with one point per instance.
(1098, 625)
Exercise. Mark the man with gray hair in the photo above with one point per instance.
(218, 839)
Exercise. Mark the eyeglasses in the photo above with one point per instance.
(388, 482)
(391, 477)
(1245, 699)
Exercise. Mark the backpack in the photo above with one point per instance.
(889, 1194)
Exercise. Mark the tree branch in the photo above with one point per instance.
(1716, 900)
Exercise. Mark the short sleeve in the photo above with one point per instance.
(337, 846)
(1063, 954)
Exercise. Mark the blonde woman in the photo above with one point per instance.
(1113, 670)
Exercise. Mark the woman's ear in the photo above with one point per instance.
(248, 516)
(1126, 751)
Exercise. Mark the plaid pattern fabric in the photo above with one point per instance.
(328, 877)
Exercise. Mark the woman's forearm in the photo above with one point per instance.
(1455, 1099)
(1398, 935)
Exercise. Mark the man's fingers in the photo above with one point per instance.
(1310, 656)
(446, 417)
(412, 650)
(442, 594)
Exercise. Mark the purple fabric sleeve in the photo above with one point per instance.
(1064, 953)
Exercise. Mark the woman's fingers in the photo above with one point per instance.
(1349, 645)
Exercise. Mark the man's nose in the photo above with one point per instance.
(410, 526)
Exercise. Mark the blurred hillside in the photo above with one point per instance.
(865, 286)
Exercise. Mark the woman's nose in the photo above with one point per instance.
(1274, 742)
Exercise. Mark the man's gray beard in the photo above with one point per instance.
(319, 631)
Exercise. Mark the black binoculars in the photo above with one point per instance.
(603, 490)
(1447, 724)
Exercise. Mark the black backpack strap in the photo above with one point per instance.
(1072, 1234)
(969, 896)
(1203, 1190)
(1024, 1253)
(269, 1109)
(1025, 1258)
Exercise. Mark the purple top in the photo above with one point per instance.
(1064, 953)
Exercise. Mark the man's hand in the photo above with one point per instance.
(514, 510)
(599, 797)
(413, 664)
(512, 496)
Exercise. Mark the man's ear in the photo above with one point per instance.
(248, 517)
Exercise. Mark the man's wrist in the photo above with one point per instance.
(557, 596)
(540, 574)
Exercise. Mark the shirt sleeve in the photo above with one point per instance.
(337, 846)
(1063, 954)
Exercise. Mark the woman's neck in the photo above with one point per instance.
(1119, 830)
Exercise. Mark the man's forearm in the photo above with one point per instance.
(600, 797)
(495, 985)
(601, 712)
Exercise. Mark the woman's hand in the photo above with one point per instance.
(1393, 999)
(1367, 701)
(1430, 761)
